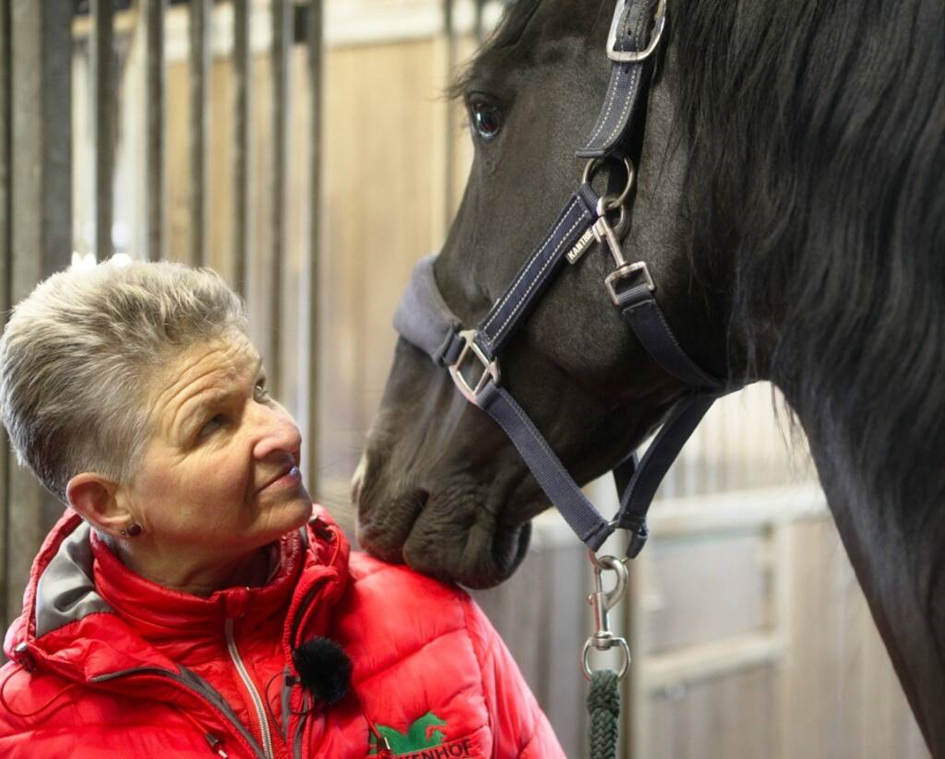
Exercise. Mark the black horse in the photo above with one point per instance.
(790, 204)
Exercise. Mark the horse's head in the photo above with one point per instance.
(440, 486)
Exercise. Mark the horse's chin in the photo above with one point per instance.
(478, 559)
(473, 557)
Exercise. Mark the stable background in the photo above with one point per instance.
(307, 152)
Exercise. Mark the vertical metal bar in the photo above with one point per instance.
(153, 18)
(102, 49)
(449, 33)
(282, 18)
(200, 19)
(6, 190)
(41, 215)
(316, 54)
(479, 22)
(241, 125)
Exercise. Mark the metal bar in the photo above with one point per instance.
(200, 11)
(241, 126)
(479, 24)
(103, 98)
(41, 216)
(449, 33)
(153, 19)
(6, 190)
(282, 18)
(316, 52)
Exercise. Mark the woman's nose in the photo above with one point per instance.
(277, 433)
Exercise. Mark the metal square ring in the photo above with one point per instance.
(625, 272)
(490, 368)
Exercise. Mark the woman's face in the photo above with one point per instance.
(220, 474)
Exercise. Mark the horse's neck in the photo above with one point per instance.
(896, 567)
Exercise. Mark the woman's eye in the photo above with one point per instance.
(486, 119)
(215, 423)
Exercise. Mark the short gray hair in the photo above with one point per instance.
(78, 355)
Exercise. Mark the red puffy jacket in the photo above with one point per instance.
(107, 664)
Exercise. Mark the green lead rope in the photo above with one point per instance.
(603, 705)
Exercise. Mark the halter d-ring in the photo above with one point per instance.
(613, 202)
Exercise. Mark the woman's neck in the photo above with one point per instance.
(198, 578)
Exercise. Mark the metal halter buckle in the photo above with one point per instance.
(626, 272)
(490, 368)
(635, 56)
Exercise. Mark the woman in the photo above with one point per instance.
(192, 601)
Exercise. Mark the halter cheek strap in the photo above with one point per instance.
(471, 355)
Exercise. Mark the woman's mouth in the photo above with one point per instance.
(289, 478)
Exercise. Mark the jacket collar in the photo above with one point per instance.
(168, 618)
(73, 628)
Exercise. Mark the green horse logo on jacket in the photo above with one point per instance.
(419, 735)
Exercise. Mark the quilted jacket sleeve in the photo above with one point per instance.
(520, 728)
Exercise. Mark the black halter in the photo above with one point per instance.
(424, 319)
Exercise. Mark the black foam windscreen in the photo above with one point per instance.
(324, 669)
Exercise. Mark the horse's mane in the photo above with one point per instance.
(817, 158)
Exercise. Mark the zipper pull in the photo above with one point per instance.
(216, 745)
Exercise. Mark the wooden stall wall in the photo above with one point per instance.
(750, 635)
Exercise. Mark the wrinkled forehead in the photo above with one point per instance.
(204, 367)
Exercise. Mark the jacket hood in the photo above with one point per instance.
(68, 628)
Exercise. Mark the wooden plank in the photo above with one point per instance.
(222, 249)
(261, 270)
(370, 242)
(725, 718)
(6, 253)
(176, 162)
(685, 575)
(103, 54)
(152, 16)
(564, 582)
(701, 514)
(840, 696)
(315, 35)
(449, 131)
(240, 131)
(735, 510)
(710, 660)
(280, 103)
(200, 24)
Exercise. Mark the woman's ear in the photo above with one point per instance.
(93, 498)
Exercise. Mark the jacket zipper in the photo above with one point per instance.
(145, 672)
(253, 693)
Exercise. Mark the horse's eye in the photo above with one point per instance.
(487, 120)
